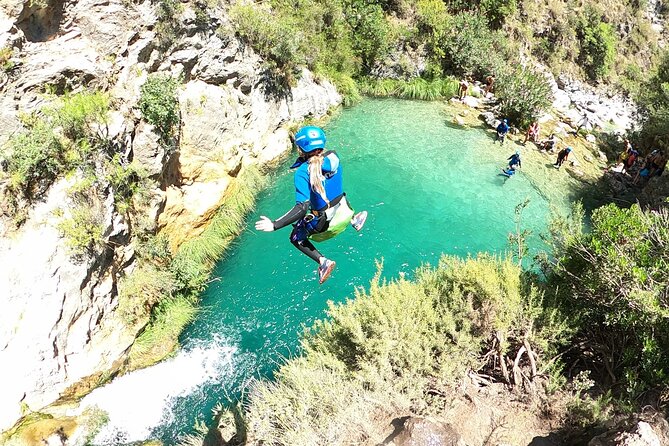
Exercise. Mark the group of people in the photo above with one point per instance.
(653, 163)
(464, 86)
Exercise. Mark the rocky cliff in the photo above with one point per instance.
(58, 323)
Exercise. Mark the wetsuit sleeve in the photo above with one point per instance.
(301, 198)
(297, 212)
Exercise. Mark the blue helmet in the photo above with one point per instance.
(310, 138)
(569, 149)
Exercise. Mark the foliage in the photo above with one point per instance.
(6, 63)
(168, 26)
(159, 103)
(612, 282)
(35, 159)
(158, 340)
(142, 290)
(497, 11)
(523, 94)
(79, 115)
(126, 181)
(274, 36)
(59, 139)
(598, 45)
(82, 229)
(654, 104)
(389, 347)
(469, 47)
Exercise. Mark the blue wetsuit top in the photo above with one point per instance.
(514, 159)
(333, 182)
(502, 128)
(305, 197)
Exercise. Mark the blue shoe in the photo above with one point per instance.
(325, 269)
(358, 220)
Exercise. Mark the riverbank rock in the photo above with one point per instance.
(646, 430)
(427, 431)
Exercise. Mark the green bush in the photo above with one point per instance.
(273, 36)
(497, 11)
(598, 45)
(159, 103)
(79, 115)
(416, 88)
(83, 229)
(469, 47)
(127, 181)
(524, 94)
(36, 157)
(612, 281)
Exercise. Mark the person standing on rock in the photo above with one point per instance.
(489, 82)
(502, 130)
(321, 210)
(584, 122)
(464, 85)
(562, 157)
(532, 132)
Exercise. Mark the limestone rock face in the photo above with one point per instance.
(56, 326)
(58, 323)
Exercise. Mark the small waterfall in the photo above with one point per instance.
(140, 401)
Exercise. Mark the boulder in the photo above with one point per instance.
(427, 431)
(653, 431)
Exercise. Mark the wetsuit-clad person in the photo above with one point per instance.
(321, 210)
(562, 157)
(514, 163)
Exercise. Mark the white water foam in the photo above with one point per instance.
(141, 400)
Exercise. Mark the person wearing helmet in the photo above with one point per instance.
(562, 157)
(502, 130)
(514, 163)
(321, 210)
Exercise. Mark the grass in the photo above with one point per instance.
(416, 88)
(176, 289)
(158, 341)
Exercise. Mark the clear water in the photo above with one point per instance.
(430, 188)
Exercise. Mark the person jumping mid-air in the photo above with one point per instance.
(321, 210)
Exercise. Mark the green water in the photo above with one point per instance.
(430, 188)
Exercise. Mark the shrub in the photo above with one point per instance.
(142, 290)
(126, 182)
(390, 347)
(469, 47)
(523, 94)
(159, 103)
(272, 35)
(497, 11)
(79, 114)
(35, 159)
(613, 282)
(598, 45)
(83, 229)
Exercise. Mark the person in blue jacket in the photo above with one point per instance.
(321, 210)
(502, 130)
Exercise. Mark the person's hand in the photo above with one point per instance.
(264, 224)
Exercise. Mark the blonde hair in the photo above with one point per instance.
(316, 177)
